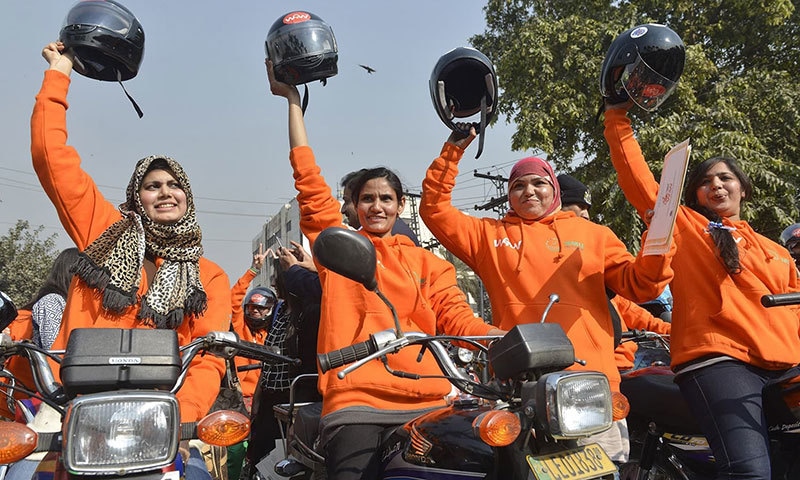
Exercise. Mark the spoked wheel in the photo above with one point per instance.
(632, 471)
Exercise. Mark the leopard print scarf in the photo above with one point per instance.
(112, 264)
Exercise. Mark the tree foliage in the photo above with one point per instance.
(25, 261)
(738, 95)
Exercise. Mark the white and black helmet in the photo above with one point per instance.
(464, 83)
(106, 39)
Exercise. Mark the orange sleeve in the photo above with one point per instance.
(205, 372)
(238, 293)
(639, 318)
(459, 233)
(82, 209)
(319, 209)
(634, 176)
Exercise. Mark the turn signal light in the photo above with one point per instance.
(17, 441)
(223, 428)
(497, 428)
(620, 406)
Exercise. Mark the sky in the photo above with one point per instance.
(203, 90)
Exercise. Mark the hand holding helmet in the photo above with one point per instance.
(463, 83)
(643, 65)
(302, 48)
(106, 39)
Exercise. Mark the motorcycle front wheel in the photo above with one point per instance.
(632, 471)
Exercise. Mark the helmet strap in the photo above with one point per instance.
(482, 127)
(133, 102)
(305, 98)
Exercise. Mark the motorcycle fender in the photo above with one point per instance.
(441, 439)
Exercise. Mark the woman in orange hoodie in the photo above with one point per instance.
(421, 286)
(141, 266)
(536, 250)
(725, 346)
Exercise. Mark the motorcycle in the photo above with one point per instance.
(523, 423)
(666, 441)
(116, 405)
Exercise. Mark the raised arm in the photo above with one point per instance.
(458, 232)
(82, 209)
(634, 176)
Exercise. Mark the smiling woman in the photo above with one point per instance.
(141, 265)
(725, 345)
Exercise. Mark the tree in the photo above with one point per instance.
(25, 261)
(737, 97)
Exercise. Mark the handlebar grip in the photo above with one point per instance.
(347, 355)
(780, 299)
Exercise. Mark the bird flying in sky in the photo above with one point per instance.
(367, 68)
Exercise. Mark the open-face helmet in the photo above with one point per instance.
(462, 84)
(644, 64)
(302, 48)
(258, 305)
(106, 39)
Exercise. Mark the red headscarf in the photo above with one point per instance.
(540, 168)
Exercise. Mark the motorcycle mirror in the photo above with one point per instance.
(347, 253)
(8, 311)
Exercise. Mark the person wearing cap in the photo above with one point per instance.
(575, 196)
(536, 250)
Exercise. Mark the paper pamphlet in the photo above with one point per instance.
(659, 235)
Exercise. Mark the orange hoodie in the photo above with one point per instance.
(249, 378)
(634, 317)
(85, 214)
(522, 262)
(714, 313)
(421, 286)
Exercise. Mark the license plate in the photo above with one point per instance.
(582, 463)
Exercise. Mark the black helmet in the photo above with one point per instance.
(106, 39)
(463, 83)
(302, 48)
(262, 297)
(643, 64)
(790, 236)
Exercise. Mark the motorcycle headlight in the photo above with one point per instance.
(576, 404)
(121, 433)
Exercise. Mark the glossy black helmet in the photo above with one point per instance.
(644, 64)
(302, 48)
(462, 84)
(106, 39)
(461, 80)
(263, 297)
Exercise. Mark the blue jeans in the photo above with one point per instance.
(726, 400)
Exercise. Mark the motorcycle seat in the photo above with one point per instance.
(657, 398)
(306, 422)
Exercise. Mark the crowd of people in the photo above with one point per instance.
(142, 266)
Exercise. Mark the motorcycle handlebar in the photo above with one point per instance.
(780, 299)
(255, 351)
(347, 355)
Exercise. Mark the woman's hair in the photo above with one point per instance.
(59, 278)
(726, 245)
(364, 175)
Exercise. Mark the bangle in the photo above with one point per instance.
(254, 270)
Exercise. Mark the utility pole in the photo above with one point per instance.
(495, 204)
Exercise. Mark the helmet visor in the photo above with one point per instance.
(100, 13)
(646, 87)
(299, 43)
